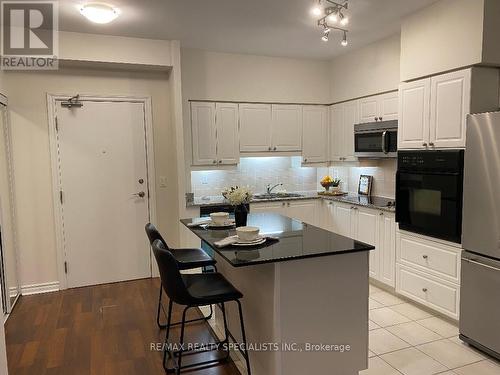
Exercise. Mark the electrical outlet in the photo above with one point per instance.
(163, 181)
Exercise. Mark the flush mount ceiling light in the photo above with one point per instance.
(99, 12)
(331, 14)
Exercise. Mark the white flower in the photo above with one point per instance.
(237, 195)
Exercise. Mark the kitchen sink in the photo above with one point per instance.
(276, 195)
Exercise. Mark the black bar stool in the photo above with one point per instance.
(195, 290)
(187, 259)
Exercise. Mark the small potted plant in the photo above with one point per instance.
(328, 182)
(238, 197)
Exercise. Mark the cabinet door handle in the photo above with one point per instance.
(381, 214)
(288, 204)
(275, 148)
(424, 144)
(376, 118)
(424, 290)
(220, 161)
(425, 256)
(270, 148)
(283, 204)
(214, 162)
(380, 118)
(431, 144)
(305, 159)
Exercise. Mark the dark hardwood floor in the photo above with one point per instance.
(105, 329)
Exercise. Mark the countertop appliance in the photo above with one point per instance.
(376, 139)
(480, 282)
(429, 192)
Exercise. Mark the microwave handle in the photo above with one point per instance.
(384, 142)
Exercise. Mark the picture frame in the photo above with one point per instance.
(365, 185)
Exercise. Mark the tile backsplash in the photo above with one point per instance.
(383, 172)
(258, 172)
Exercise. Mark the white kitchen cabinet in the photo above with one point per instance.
(303, 210)
(450, 104)
(286, 127)
(343, 117)
(389, 106)
(387, 245)
(414, 119)
(368, 109)
(255, 127)
(367, 224)
(433, 111)
(228, 140)
(215, 136)
(314, 134)
(343, 221)
(383, 107)
(428, 272)
(204, 135)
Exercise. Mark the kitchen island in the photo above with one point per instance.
(305, 297)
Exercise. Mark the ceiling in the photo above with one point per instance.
(261, 27)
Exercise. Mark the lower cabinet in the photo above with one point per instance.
(429, 272)
(303, 210)
(372, 226)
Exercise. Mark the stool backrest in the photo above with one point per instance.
(170, 275)
(154, 235)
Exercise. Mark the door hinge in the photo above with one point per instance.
(61, 196)
(65, 267)
(57, 125)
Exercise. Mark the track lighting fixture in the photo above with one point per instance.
(330, 15)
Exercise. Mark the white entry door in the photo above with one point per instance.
(105, 198)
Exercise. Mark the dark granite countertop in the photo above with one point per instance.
(297, 240)
(378, 203)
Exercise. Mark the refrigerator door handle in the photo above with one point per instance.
(481, 264)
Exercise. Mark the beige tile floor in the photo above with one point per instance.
(405, 339)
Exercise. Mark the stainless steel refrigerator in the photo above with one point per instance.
(480, 282)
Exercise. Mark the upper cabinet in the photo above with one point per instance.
(450, 104)
(266, 127)
(342, 119)
(215, 138)
(414, 103)
(433, 111)
(255, 127)
(286, 127)
(382, 107)
(203, 133)
(314, 134)
(228, 138)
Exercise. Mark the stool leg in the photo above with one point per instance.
(226, 335)
(243, 335)
(159, 309)
(169, 318)
(183, 325)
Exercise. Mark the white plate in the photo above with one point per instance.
(259, 241)
(225, 225)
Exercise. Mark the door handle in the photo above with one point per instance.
(481, 264)
(384, 138)
(140, 194)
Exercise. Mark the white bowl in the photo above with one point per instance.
(247, 233)
(219, 218)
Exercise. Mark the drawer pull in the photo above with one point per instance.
(425, 256)
(424, 290)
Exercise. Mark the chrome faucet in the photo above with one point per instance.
(271, 188)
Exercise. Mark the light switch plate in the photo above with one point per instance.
(163, 181)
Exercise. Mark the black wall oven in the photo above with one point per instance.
(429, 192)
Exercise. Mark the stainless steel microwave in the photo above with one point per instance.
(376, 139)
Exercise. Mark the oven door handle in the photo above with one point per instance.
(384, 143)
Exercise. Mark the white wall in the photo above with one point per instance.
(444, 36)
(366, 71)
(27, 101)
(112, 49)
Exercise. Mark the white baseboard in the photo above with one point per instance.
(27, 290)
